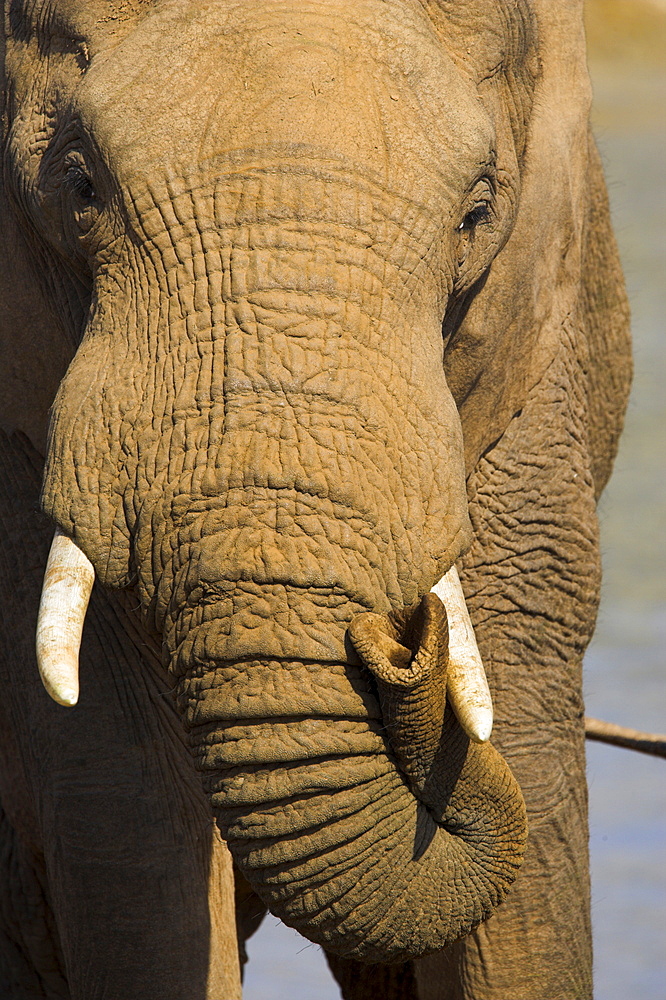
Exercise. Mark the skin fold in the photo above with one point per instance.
(303, 303)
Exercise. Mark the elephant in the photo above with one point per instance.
(315, 355)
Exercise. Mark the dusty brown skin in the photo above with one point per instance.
(342, 307)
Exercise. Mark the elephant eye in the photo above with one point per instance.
(480, 213)
(79, 182)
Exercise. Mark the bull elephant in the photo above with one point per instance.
(312, 323)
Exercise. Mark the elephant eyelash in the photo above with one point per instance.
(80, 183)
(480, 213)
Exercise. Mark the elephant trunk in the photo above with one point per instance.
(343, 829)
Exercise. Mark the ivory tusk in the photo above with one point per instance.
(467, 687)
(68, 582)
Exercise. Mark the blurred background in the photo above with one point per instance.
(624, 667)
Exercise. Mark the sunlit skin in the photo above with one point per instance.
(320, 303)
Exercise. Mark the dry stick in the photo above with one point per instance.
(632, 739)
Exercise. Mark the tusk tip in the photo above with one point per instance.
(479, 730)
(59, 684)
(67, 699)
(475, 720)
(66, 696)
(471, 702)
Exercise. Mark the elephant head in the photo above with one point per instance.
(269, 230)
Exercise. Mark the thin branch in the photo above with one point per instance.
(619, 736)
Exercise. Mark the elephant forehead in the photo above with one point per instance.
(368, 84)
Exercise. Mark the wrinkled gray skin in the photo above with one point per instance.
(262, 234)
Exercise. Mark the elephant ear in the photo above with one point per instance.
(530, 298)
(34, 350)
